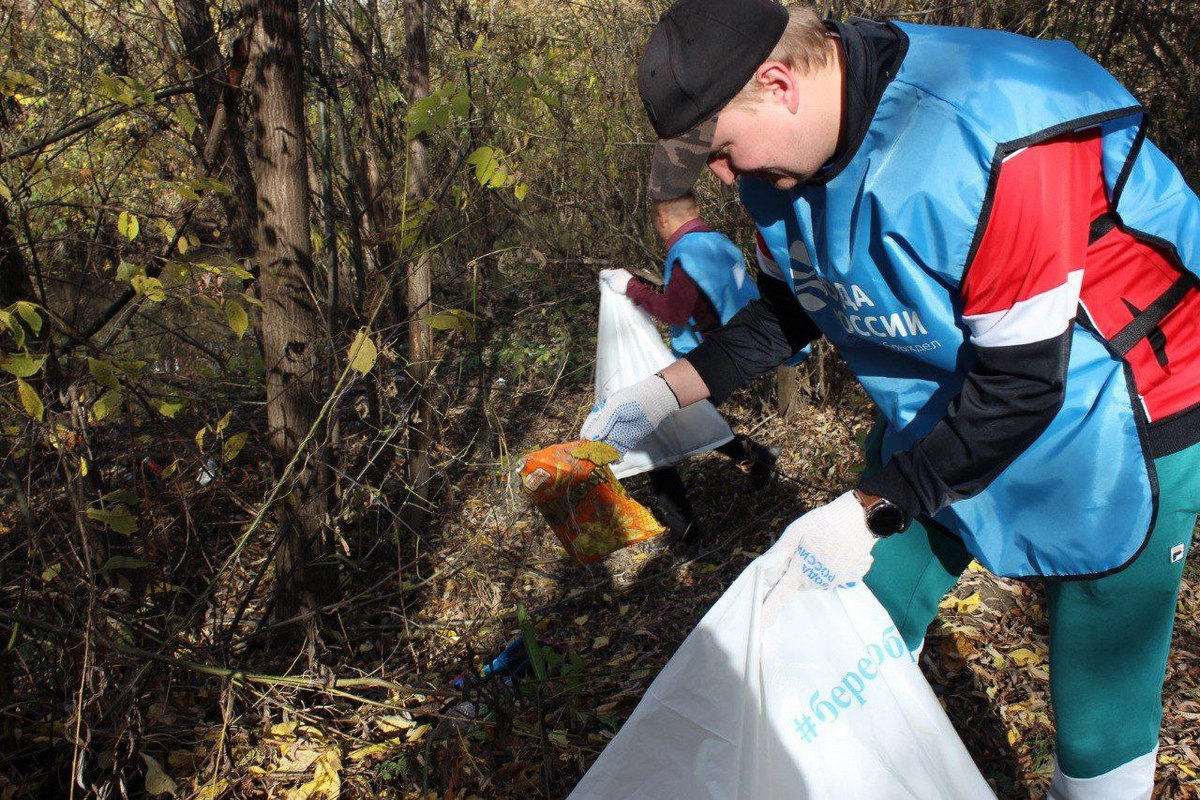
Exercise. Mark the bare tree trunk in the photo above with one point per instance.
(420, 280)
(291, 319)
(216, 89)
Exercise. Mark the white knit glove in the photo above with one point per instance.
(828, 547)
(631, 414)
(617, 279)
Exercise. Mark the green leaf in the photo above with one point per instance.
(5, 192)
(30, 400)
(107, 403)
(223, 422)
(363, 352)
(114, 89)
(121, 496)
(182, 244)
(22, 365)
(498, 178)
(126, 271)
(51, 572)
(123, 562)
(169, 408)
(104, 374)
(118, 519)
(200, 438)
(29, 313)
(235, 315)
(520, 83)
(187, 120)
(485, 162)
(520, 190)
(128, 225)
(461, 103)
(186, 193)
(10, 322)
(233, 446)
(532, 648)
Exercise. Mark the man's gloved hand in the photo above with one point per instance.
(616, 279)
(631, 414)
(829, 546)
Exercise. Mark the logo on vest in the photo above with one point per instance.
(855, 310)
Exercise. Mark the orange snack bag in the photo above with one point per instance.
(586, 506)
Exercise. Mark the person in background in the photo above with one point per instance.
(979, 224)
(705, 284)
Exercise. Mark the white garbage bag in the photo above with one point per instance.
(628, 349)
(813, 696)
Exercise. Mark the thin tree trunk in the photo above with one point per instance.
(420, 280)
(216, 89)
(291, 319)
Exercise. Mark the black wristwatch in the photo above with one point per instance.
(883, 517)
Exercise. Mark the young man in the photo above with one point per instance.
(978, 223)
(704, 284)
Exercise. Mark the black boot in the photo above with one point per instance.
(673, 505)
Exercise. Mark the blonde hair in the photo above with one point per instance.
(804, 46)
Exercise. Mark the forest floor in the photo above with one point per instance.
(388, 726)
(609, 628)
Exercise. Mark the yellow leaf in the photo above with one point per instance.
(233, 446)
(969, 604)
(235, 315)
(213, 790)
(51, 572)
(283, 729)
(418, 732)
(1024, 657)
(1013, 737)
(377, 750)
(326, 782)
(363, 352)
(157, 781)
(975, 566)
(600, 641)
(30, 400)
(598, 453)
(152, 288)
(127, 225)
(392, 723)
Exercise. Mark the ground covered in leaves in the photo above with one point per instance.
(608, 628)
(385, 720)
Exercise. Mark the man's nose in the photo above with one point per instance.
(722, 170)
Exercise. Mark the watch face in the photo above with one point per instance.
(886, 518)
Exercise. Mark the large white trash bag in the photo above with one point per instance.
(628, 349)
(813, 696)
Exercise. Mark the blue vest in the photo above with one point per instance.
(717, 267)
(878, 253)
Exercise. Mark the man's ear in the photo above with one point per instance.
(780, 83)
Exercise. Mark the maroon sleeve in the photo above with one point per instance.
(680, 302)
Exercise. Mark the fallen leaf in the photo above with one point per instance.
(1024, 657)
(327, 780)
(157, 781)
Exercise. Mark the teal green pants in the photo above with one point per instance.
(1109, 637)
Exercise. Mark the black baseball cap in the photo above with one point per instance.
(699, 56)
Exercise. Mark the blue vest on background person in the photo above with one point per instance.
(717, 267)
(877, 254)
